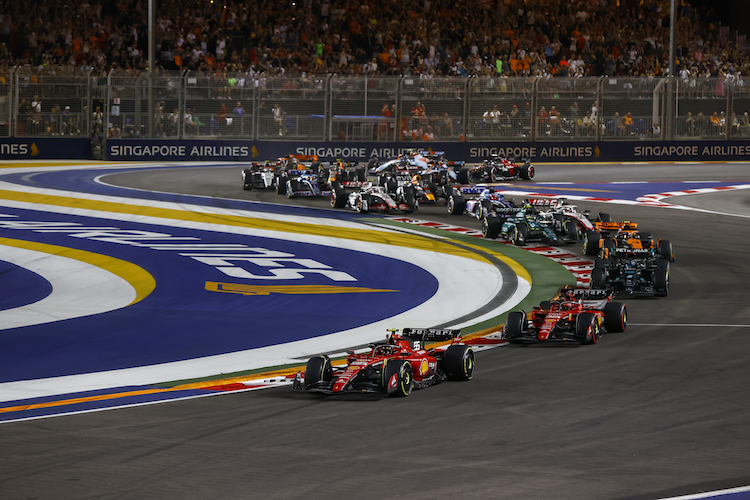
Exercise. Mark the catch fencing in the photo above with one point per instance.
(64, 101)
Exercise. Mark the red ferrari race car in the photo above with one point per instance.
(394, 367)
(576, 314)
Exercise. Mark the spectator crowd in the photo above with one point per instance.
(388, 37)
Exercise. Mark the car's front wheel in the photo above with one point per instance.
(318, 369)
(398, 378)
(587, 328)
(515, 326)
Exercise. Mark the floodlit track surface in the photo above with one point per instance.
(659, 410)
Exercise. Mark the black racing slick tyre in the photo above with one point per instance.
(604, 217)
(318, 369)
(664, 248)
(463, 176)
(398, 379)
(527, 172)
(601, 263)
(615, 317)
(545, 305)
(362, 205)
(458, 363)
(519, 234)
(491, 226)
(281, 184)
(591, 242)
(338, 196)
(515, 326)
(410, 199)
(661, 278)
(456, 204)
(484, 208)
(598, 278)
(247, 180)
(570, 228)
(587, 328)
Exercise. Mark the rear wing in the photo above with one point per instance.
(547, 202)
(430, 334)
(588, 293)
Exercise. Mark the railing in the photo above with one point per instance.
(67, 101)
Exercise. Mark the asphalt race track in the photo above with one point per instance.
(660, 410)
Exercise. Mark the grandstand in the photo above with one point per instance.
(356, 70)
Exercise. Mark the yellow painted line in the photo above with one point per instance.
(397, 239)
(139, 278)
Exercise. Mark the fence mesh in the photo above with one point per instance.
(66, 101)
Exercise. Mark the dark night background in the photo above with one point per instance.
(734, 13)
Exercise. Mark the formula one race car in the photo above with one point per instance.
(410, 160)
(394, 367)
(634, 271)
(426, 191)
(486, 202)
(264, 175)
(607, 234)
(307, 184)
(258, 176)
(575, 315)
(375, 199)
(496, 169)
(348, 174)
(528, 224)
(569, 222)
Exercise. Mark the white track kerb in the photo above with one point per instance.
(476, 281)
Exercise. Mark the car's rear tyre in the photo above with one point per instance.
(604, 217)
(361, 175)
(601, 263)
(338, 196)
(545, 305)
(587, 328)
(591, 242)
(598, 278)
(664, 248)
(491, 226)
(483, 208)
(661, 278)
(458, 363)
(318, 369)
(515, 325)
(398, 379)
(456, 204)
(410, 199)
(247, 180)
(463, 176)
(527, 172)
(615, 317)
(281, 184)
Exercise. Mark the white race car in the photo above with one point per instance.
(373, 198)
